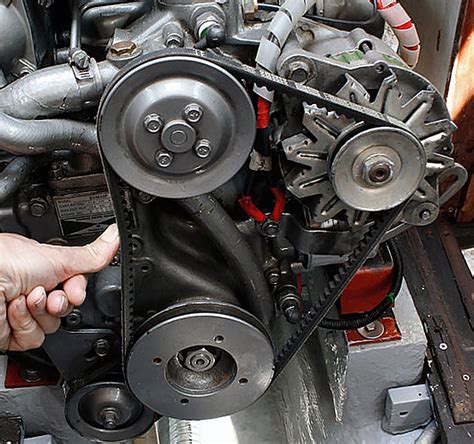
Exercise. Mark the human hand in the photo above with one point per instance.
(30, 304)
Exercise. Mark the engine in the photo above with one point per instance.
(240, 146)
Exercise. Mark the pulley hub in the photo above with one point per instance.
(202, 361)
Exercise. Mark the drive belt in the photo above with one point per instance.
(123, 196)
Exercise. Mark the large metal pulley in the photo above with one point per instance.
(176, 126)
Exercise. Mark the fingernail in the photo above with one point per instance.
(40, 295)
(21, 305)
(64, 305)
(111, 234)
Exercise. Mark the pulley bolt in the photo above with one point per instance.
(164, 158)
(153, 123)
(109, 417)
(199, 360)
(203, 148)
(378, 170)
(299, 71)
(425, 215)
(193, 112)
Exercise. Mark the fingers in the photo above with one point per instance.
(26, 333)
(36, 303)
(4, 326)
(75, 289)
(91, 258)
(57, 304)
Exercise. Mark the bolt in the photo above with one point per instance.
(193, 112)
(30, 374)
(378, 170)
(80, 59)
(443, 346)
(124, 48)
(164, 158)
(145, 198)
(109, 417)
(273, 276)
(74, 318)
(270, 228)
(299, 71)
(370, 327)
(200, 360)
(173, 35)
(102, 347)
(203, 148)
(153, 123)
(38, 207)
(466, 377)
(426, 215)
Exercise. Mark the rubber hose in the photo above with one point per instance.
(29, 137)
(214, 220)
(13, 175)
(353, 322)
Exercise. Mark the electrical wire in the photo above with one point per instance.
(355, 321)
(329, 20)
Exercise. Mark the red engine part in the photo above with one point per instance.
(18, 377)
(368, 287)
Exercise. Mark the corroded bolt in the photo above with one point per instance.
(164, 158)
(153, 123)
(123, 48)
(203, 148)
(193, 112)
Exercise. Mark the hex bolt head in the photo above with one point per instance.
(270, 228)
(164, 158)
(299, 71)
(203, 148)
(426, 215)
(81, 59)
(102, 347)
(38, 207)
(124, 48)
(193, 112)
(153, 123)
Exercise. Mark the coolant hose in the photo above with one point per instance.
(214, 220)
(353, 322)
(29, 137)
(13, 175)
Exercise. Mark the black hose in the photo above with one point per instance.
(355, 321)
(220, 227)
(13, 175)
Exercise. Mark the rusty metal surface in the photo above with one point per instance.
(443, 312)
(391, 333)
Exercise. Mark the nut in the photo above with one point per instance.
(378, 170)
(164, 158)
(193, 112)
(123, 48)
(153, 123)
(80, 59)
(299, 71)
(203, 148)
(38, 207)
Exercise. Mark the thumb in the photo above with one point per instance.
(90, 258)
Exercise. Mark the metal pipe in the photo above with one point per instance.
(29, 137)
(13, 176)
(55, 90)
(213, 219)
